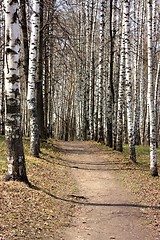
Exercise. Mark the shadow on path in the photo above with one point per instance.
(93, 166)
(84, 203)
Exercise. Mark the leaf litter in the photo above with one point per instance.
(40, 212)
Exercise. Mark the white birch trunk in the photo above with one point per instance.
(115, 66)
(31, 98)
(129, 85)
(141, 69)
(155, 26)
(135, 41)
(101, 75)
(87, 72)
(153, 151)
(15, 152)
(94, 6)
(2, 50)
(142, 101)
(156, 100)
(119, 145)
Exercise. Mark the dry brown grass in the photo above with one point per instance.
(39, 212)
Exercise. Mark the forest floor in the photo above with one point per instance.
(81, 190)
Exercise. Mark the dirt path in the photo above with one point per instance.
(110, 211)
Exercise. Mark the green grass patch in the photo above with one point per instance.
(142, 153)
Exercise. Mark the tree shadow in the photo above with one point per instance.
(93, 166)
(106, 165)
(78, 151)
(84, 201)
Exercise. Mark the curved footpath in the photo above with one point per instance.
(107, 210)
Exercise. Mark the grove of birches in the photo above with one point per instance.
(79, 69)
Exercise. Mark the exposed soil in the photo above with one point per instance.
(107, 210)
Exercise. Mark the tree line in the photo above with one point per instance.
(87, 69)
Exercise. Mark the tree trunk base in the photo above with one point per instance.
(119, 148)
(154, 172)
(10, 177)
(133, 159)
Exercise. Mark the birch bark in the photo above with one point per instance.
(153, 151)
(31, 99)
(2, 50)
(156, 100)
(87, 73)
(15, 152)
(115, 47)
(141, 70)
(39, 83)
(131, 139)
(94, 5)
(119, 145)
(136, 30)
(24, 27)
(101, 75)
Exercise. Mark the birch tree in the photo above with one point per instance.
(24, 27)
(39, 82)
(141, 70)
(2, 50)
(31, 97)
(121, 91)
(134, 66)
(114, 64)
(101, 74)
(153, 151)
(15, 152)
(156, 100)
(86, 29)
(94, 6)
(25, 47)
(129, 101)
(110, 88)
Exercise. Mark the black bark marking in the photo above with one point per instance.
(17, 41)
(17, 93)
(13, 1)
(8, 38)
(15, 17)
(14, 79)
(9, 51)
(12, 109)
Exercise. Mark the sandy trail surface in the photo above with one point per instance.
(107, 210)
